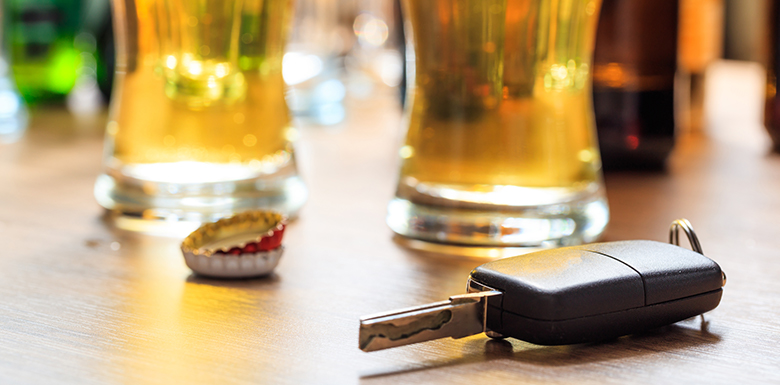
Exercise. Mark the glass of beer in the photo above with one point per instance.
(500, 147)
(199, 128)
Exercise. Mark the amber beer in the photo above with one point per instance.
(199, 127)
(501, 146)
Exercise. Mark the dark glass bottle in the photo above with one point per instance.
(635, 61)
(772, 110)
(99, 24)
(401, 37)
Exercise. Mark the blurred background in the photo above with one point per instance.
(654, 60)
(61, 52)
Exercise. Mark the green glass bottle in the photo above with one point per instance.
(39, 36)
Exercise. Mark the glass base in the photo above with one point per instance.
(144, 203)
(471, 252)
(566, 223)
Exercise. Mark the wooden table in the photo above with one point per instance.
(83, 303)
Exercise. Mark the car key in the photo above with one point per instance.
(564, 296)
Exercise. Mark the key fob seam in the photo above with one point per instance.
(644, 282)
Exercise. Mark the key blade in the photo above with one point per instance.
(461, 316)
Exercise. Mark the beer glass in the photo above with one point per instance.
(198, 127)
(500, 145)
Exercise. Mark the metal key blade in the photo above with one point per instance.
(461, 316)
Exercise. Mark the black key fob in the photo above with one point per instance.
(596, 292)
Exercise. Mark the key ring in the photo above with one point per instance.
(674, 234)
(685, 225)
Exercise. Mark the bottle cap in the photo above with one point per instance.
(245, 245)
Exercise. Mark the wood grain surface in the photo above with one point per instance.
(84, 303)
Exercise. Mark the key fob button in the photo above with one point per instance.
(563, 284)
(669, 272)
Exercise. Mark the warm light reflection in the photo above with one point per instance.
(370, 30)
(191, 330)
(220, 70)
(502, 195)
(195, 67)
(171, 61)
(201, 172)
(298, 67)
(612, 75)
